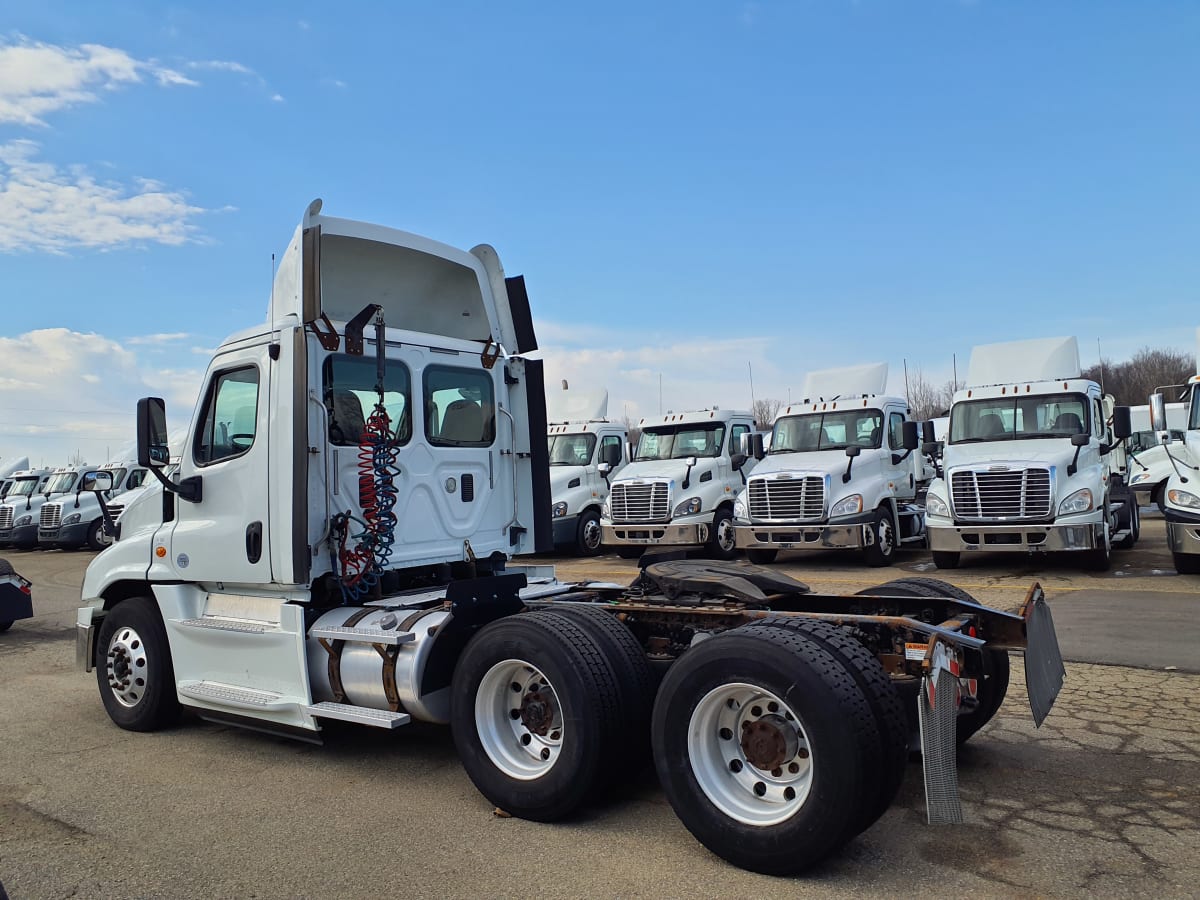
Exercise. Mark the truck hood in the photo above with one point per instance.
(1017, 454)
(670, 469)
(829, 462)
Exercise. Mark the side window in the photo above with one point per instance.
(230, 417)
(136, 477)
(460, 407)
(350, 398)
(896, 431)
(613, 440)
(735, 438)
(1098, 426)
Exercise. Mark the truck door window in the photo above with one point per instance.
(571, 449)
(230, 418)
(895, 431)
(350, 398)
(735, 437)
(460, 407)
(136, 477)
(614, 440)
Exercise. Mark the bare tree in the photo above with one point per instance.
(631, 426)
(77, 459)
(765, 411)
(1131, 382)
(927, 400)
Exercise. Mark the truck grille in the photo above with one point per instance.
(51, 516)
(6, 517)
(115, 510)
(787, 498)
(645, 501)
(1014, 494)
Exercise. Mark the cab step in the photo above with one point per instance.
(362, 635)
(362, 715)
(244, 627)
(229, 695)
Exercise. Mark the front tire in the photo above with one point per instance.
(763, 743)
(882, 549)
(630, 551)
(1100, 558)
(761, 557)
(722, 540)
(133, 667)
(535, 711)
(945, 559)
(1135, 525)
(587, 536)
(1186, 563)
(96, 538)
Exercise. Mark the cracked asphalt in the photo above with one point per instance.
(1103, 800)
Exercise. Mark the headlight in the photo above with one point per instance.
(24, 520)
(560, 510)
(847, 506)
(739, 509)
(687, 508)
(1183, 498)
(1140, 476)
(1078, 502)
(605, 511)
(936, 506)
(71, 519)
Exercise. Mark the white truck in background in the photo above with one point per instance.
(1150, 466)
(20, 510)
(71, 522)
(337, 547)
(842, 473)
(586, 451)
(7, 470)
(679, 488)
(1181, 494)
(1031, 465)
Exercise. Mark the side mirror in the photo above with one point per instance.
(928, 435)
(737, 461)
(1158, 413)
(152, 449)
(912, 437)
(853, 450)
(1122, 423)
(605, 469)
(690, 462)
(97, 481)
(1080, 440)
(610, 455)
(752, 445)
(932, 448)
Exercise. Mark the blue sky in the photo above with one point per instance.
(687, 188)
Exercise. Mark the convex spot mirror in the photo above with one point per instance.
(605, 469)
(152, 449)
(96, 481)
(912, 436)
(853, 450)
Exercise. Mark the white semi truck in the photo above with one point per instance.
(1150, 462)
(77, 520)
(337, 546)
(1181, 494)
(678, 490)
(1031, 464)
(7, 470)
(586, 451)
(21, 507)
(841, 473)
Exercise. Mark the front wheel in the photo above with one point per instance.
(945, 559)
(1100, 558)
(761, 557)
(133, 667)
(630, 551)
(1134, 523)
(97, 539)
(881, 551)
(587, 537)
(1186, 563)
(722, 541)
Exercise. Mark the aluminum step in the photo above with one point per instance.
(228, 625)
(229, 695)
(377, 718)
(362, 635)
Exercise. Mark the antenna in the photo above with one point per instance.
(954, 363)
(907, 395)
(751, 368)
(1101, 357)
(271, 310)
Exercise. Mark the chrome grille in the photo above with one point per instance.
(640, 501)
(1001, 495)
(114, 510)
(6, 517)
(51, 516)
(787, 498)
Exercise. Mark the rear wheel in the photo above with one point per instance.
(761, 557)
(945, 559)
(587, 536)
(535, 710)
(764, 744)
(133, 667)
(882, 549)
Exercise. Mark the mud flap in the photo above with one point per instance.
(15, 599)
(938, 708)
(1044, 670)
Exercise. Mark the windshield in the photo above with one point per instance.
(681, 441)
(117, 476)
(60, 483)
(828, 431)
(570, 449)
(1194, 418)
(1144, 440)
(23, 487)
(1019, 418)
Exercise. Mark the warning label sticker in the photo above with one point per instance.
(914, 651)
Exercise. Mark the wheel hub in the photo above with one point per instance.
(769, 742)
(518, 719)
(537, 713)
(126, 667)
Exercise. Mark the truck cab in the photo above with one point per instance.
(679, 488)
(584, 457)
(77, 521)
(1181, 496)
(1150, 462)
(840, 473)
(1031, 464)
(21, 508)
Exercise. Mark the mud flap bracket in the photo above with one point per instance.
(938, 709)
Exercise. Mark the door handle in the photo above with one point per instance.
(254, 541)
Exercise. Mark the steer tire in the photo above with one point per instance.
(882, 549)
(587, 534)
(630, 551)
(891, 722)
(636, 682)
(721, 541)
(946, 559)
(132, 645)
(993, 687)
(549, 647)
(761, 557)
(1186, 563)
(96, 538)
(719, 801)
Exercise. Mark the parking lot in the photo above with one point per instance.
(1102, 799)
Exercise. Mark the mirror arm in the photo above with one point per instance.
(1073, 467)
(846, 474)
(190, 489)
(687, 478)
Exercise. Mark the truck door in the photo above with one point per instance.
(225, 537)
(903, 475)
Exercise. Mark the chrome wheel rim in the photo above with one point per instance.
(886, 542)
(750, 754)
(519, 720)
(125, 661)
(591, 534)
(725, 535)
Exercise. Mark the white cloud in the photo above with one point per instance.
(222, 65)
(277, 98)
(37, 79)
(44, 207)
(53, 403)
(165, 338)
